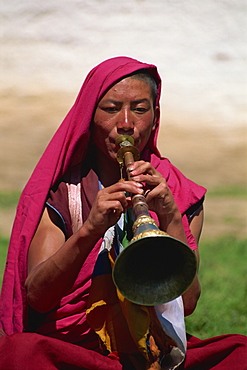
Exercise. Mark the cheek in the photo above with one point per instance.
(101, 136)
(144, 134)
(145, 127)
(103, 124)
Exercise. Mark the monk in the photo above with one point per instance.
(59, 306)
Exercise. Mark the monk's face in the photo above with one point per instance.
(126, 109)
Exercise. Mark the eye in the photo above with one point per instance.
(109, 109)
(140, 110)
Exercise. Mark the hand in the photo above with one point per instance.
(158, 195)
(109, 204)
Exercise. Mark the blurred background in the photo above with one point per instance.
(47, 48)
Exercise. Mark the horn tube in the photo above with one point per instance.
(154, 268)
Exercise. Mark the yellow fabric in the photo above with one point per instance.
(105, 316)
(138, 321)
(124, 326)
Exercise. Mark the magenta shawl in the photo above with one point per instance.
(67, 148)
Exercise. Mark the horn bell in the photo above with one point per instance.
(154, 268)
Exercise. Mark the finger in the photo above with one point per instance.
(118, 211)
(145, 172)
(140, 167)
(149, 179)
(159, 192)
(112, 202)
(124, 186)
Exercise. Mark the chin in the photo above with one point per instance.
(114, 157)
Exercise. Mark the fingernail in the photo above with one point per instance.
(136, 179)
(141, 191)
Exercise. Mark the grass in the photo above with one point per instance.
(228, 191)
(9, 199)
(3, 253)
(222, 306)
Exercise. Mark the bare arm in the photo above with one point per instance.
(53, 263)
(191, 296)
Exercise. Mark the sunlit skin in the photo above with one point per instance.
(127, 108)
(53, 262)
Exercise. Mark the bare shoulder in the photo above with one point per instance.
(47, 239)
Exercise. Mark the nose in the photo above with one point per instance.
(125, 122)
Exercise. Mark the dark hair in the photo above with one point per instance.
(145, 75)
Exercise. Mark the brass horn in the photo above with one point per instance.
(154, 268)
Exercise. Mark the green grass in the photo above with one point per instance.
(228, 191)
(222, 306)
(3, 253)
(9, 199)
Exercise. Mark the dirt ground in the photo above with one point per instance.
(214, 158)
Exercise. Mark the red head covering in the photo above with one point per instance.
(68, 147)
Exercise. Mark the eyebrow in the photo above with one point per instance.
(119, 102)
(141, 100)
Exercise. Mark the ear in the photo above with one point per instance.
(156, 117)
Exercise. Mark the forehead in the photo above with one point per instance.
(129, 87)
